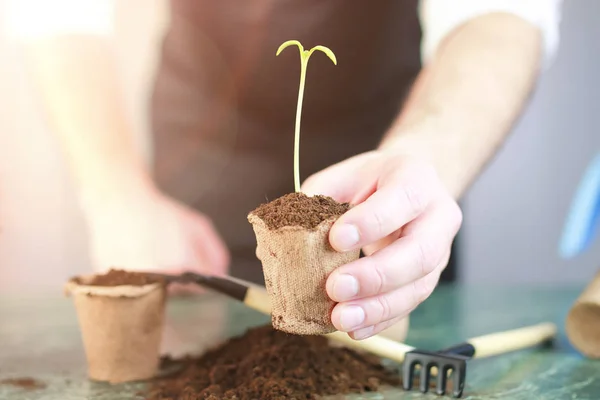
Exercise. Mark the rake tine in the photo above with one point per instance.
(408, 375)
(425, 375)
(441, 381)
(458, 380)
(430, 361)
(455, 357)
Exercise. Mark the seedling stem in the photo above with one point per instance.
(304, 57)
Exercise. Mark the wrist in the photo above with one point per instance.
(115, 185)
(440, 150)
(416, 143)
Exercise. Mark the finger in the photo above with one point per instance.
(399, 199)
(380, 244)
(346, 182)
(358, 314)
(369, 331)
(209, 245)
(425, 246)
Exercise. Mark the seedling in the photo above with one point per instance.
(304, 57)
(294, 253)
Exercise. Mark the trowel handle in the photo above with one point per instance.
(258, 299)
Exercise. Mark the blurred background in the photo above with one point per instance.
(513, 215)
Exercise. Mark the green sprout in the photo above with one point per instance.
(304, 56)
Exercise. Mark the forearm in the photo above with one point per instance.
(79, 86)
(465, 102)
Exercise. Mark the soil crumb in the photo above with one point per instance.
(24, 383)
(117, 277)
(298, 209)
(267, 364)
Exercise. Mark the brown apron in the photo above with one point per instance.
(223, 106)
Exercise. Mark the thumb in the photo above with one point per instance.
(344, 182)
(321, 184)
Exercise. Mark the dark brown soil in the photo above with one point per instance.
(266, 364)
(298, 209)
(24, 383)
(117, 277)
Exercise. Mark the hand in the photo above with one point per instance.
(404, 220)
(145, 230)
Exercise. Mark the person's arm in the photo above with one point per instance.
(78, 80)
(405, 214)
(71, 60)
(69, 54)
(468, 96)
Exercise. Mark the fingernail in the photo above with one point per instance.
(345, 287)
(345, 237)
(351, 317)
(363, 333)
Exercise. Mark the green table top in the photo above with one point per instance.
(39, 338)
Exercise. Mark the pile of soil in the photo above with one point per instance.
(117, 277)
(298, 209)
(270, 365)
(24, 383)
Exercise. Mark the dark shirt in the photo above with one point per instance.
(224, 105)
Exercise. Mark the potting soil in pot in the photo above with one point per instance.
(292, 237)
(121, 318)
(298, 209)
(117, 277)
(268, 364)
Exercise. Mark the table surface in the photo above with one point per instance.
(39, 338)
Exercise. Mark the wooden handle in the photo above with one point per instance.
(377, 345)
(258, 299)
(515, 339)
